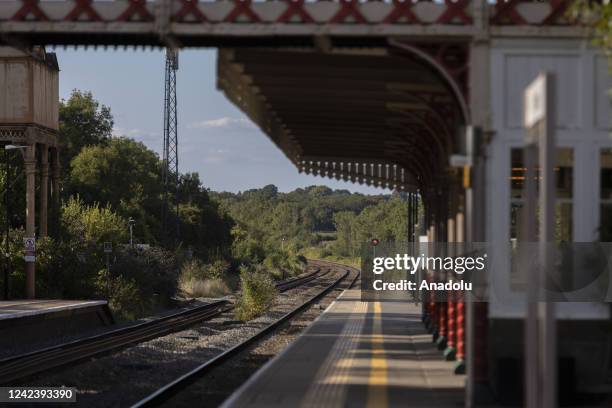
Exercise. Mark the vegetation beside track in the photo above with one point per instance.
(108, 180)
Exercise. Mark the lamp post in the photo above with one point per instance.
(7, 218)
(131, 223)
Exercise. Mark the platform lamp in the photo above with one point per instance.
(7, 190)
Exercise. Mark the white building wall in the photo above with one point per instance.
(583, 117)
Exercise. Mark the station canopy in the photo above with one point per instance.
(378, 116)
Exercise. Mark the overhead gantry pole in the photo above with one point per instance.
(170, 176)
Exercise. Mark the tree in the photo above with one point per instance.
(598, 14)
(83, 122)
(125, 175)
(92, 224)
(16, 181)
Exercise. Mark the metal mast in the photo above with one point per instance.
(170, 175)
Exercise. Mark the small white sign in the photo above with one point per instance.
(535, 101)
(29, 258)
(108, 247)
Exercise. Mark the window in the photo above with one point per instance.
(564, 175)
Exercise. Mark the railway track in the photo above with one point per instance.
(23, 365)
(169, 390)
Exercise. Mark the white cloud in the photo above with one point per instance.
(136, 133)
(224, 122)
(118, 131)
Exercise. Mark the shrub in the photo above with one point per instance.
(218, 269)
(281, 265)
(192, 270)
(204, 280)
(296, 264)
(63, 269)
(257, 293)
(125, 298)
(211, 288)
(196, 269)
(246, 249)
(274, 264)
(154, 272)
(91, 224)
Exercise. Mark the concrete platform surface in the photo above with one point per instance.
(16, 309)
(357, 354)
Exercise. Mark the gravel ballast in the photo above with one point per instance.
(123, 378)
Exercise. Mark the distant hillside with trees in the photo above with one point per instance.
(315, 221)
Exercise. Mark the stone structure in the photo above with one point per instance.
(29, 118)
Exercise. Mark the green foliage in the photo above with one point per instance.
(124, 175)
(270, 222)
(386, 221)
(597, 14)
(281, 264)
(91, 224)
(257, 293)
(198, 270)
(75, 266)
(16, 181)
(246, 249)
(203, 226)
(204, 280)
(154, 272)
(107, 180)
(68, 267)
(125, 299)
(321, 223)
(83, 122)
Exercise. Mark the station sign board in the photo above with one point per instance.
(535, 102)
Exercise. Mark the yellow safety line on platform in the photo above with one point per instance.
(377, 382)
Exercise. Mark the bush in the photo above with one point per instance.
(209, 288)
(257, 294)
(91, 224)
(218, 269)
(281, 265)
(154, 273)
(63, 270)
(125, 299)
(75, 268)
(274, 264)
(246, 249)
(198, 279)
(192, 269)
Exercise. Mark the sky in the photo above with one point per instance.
(215, 138)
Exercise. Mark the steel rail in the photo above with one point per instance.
(15, 367)
(295, 282)
(170, 389)
(38, 361)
